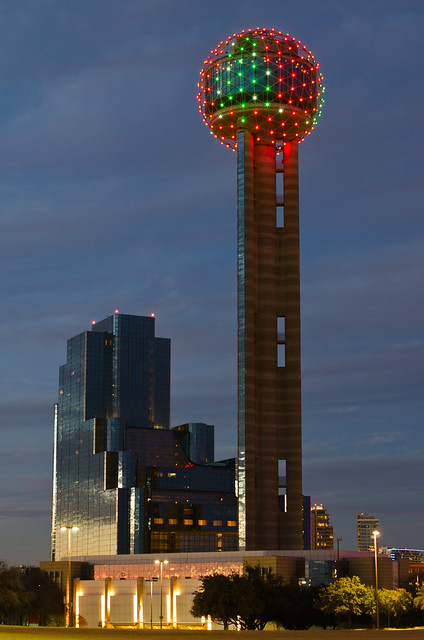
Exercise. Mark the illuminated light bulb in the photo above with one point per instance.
(93, 322)
(152, 315)
(116, 311)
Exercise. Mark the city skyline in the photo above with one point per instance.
(114, 197)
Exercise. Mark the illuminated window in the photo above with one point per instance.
(188, 521)
(202, 523)
(217, 523)
(231, 523)
(172, 521)
(157, 520)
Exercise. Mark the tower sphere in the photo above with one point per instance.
(264, 81)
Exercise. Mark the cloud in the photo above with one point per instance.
(10, 510)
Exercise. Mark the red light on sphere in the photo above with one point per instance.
(268, 95)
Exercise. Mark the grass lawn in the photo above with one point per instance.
(53, 633)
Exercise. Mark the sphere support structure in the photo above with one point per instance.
(261, 94)
(269, 390)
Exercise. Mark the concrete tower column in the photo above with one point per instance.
(269, 390)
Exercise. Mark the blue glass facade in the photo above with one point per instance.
(121, 475)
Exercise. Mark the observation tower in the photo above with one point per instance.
(260, 93)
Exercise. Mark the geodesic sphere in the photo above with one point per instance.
(263, 81)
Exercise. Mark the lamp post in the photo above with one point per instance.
(338, 548)
(68, 581)
(338, 558)
(161, 562)
(151, 603)
(377, 608)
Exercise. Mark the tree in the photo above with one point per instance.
(344, 598)
(419, 598)
(394, 603)
(247, 601)
(296, 609)
(26, 591)
(257, 597)
(46, 599)
(214, 599)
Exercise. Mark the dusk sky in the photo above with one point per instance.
(114, 195)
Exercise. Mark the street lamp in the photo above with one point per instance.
(68, 581)
(161, 562)
(338, 548)
(377, 608)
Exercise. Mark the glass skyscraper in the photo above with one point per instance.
(120, 474)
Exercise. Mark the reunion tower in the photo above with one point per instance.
(260, 93)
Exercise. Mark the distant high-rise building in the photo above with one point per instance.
(322, 531)
(365, 525)
(121, 475)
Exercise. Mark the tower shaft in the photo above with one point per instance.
(269, 414)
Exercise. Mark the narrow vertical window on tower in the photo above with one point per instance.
(281, 341)
(282, 486)
(279, 197)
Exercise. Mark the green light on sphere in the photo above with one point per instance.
(283, 91)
